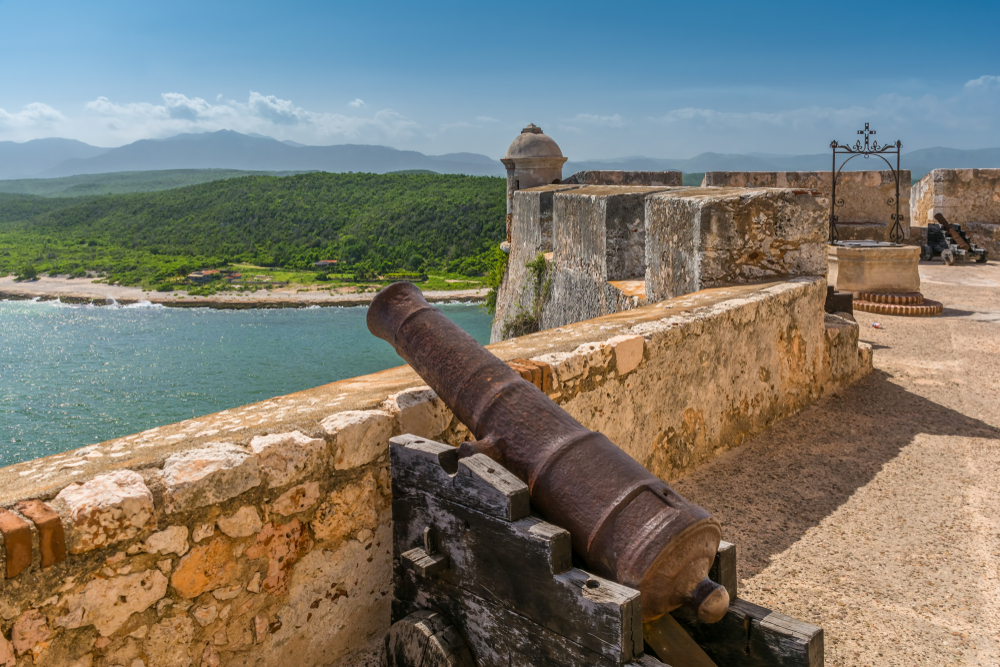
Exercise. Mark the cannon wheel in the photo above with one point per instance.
(926, 253)
(948, 256)
(426, 639)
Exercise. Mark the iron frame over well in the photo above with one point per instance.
(868, 149)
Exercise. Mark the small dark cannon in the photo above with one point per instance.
(626, 524)
(950, 243)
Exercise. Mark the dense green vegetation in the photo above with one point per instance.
(123, 182)
(693, 179)
(371, 224)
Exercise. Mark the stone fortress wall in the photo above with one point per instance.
(609, 248)
(968, 197)
(868, 196)
(261, 535)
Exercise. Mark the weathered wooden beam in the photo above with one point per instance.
(524, 565)
(673, 644)
(497, 635)
(753, 636)
(723, 570)
(476, 482)
(463, 534)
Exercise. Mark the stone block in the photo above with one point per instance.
(866, 199)
(282, 545)
(874, 268)
(208, 475)
(205, 615)
(7, 657)
(168, 643)
(108, 603)
(296, 499)
(205, 568)
(660, 178)
(31, 633)
(51, 534)
(105, 510)
(173, 540)
(288, 457)
(16, 542)
(244, 523)
(346, 511)
(419, 411)
(360, 436)
(628, 352)
(963, 196)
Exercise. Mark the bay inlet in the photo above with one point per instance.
(73, 375)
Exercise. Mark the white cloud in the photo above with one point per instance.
(984, 82)
(357, 103)
(32, 115)
(596, 121)
(968, 118)
(107, 122)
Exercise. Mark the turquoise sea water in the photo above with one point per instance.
(74, 375)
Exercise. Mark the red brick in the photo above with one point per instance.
(16, 542)
(51, 536)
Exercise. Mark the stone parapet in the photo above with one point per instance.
(868, 196)
(675, 240)
(961, 195)
(655, 178)
(966, 197)
(261, 534)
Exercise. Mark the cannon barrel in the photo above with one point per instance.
(625, 523)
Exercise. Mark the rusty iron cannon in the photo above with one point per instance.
(625, 523)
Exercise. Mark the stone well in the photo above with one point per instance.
(883, 277)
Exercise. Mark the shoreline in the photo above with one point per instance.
(83, 291)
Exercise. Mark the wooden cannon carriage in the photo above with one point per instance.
(478, 579)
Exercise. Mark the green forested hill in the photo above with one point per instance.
(123, 182)
(385, 222)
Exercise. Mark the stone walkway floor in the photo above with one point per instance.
(876, 513)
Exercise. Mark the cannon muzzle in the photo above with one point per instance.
(625, 523)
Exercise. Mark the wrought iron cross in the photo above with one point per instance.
(868, 132)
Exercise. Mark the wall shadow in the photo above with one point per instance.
(770, 491)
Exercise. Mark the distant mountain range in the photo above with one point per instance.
(919, 162)
(51, 158)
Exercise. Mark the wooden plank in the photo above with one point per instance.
(477, 482)
(753, 636)
(496, 635)
(723, 570)
(673, 645)
(523, 566)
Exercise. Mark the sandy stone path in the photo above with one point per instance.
(83, 290)
(876, 514)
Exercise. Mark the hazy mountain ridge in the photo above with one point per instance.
(22, 160)
(919, 162)
(124, 182)
(225, 149)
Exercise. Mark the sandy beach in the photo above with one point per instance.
(82, 290)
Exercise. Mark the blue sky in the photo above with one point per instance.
(607, 79)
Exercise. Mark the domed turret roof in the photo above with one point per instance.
(533, 143)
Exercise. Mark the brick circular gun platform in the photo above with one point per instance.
(907, 304)
(883, 277)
